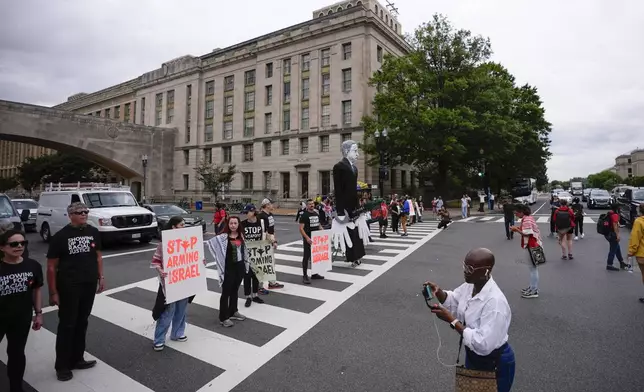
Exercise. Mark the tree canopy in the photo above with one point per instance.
(450, 112)
(7, 183)
(605, 180)
(215, 177)
(58, 167)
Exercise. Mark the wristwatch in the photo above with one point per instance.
(453, 323)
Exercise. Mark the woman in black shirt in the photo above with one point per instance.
(20, 283)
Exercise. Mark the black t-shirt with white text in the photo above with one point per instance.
(17, 282)
(252, 230)
(311, 221)
(269, 221)
(76, 249)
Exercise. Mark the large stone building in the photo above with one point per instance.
(631, 164)
(13, 154)
(277, 106)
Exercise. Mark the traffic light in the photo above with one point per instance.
(480, 174)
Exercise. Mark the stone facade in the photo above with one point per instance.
(630, 165)
(299, 92)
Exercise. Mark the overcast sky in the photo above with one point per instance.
(585, 56)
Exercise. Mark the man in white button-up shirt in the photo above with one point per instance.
(480, 313)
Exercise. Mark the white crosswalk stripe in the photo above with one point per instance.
(232, 353)
(495, 219)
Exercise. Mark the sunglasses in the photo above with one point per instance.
(16, 244)
(470, 270)
(80, 213)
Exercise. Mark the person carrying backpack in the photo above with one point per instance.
(564, 219)
(578, 209)
(608, 226)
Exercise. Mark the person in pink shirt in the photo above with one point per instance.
(530, 238)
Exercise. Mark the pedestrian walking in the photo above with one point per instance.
(74, 277)
(578, 210)
(219, 218)
(564, 219)
(554, 204)
(383, 220)
(309, 222)
(492, 202)
(21, 279)
(530, 239)
(481, 202)
(613, 237)
(479, 312)
(508, 218)
(636, 243)
(464, 204)
(252, 230)
(404, 215)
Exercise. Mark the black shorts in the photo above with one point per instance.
(383, 222)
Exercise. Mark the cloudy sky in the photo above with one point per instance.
(585, 56)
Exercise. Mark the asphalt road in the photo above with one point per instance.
(364, 329)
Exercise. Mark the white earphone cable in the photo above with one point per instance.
(438, 349)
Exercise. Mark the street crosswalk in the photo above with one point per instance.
(214, 358)
(500, 219)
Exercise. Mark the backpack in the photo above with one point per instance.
(604, 224)
(578, 209)
(562, 219)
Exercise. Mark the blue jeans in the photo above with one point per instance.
(175, 314)
(614, 249)
(534, 276)
(504, 370)
(464, 211)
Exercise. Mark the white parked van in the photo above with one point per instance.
(113, 210)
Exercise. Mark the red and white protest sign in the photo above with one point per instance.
(321, 251)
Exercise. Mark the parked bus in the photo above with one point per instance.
(525, 190)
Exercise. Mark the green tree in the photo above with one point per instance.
(8, 183)
(450, 112)
(215, 177)
(604, 180)
(58, 167)
(635, 181)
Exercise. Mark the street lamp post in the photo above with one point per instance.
(144, 161)
(382, 170)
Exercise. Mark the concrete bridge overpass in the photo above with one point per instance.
(114, 145)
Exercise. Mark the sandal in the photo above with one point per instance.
(570, 256)
(564, 257)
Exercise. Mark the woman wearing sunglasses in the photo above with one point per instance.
(20, 282)
(6, 226)
(479, 312)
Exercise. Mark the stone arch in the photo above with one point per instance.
(111, 144)
(376, 9)
(359, 2)
(321, 14)
(391, 23)
(381, 14)
(396, 27)
(386, 18)
(339, 9)
(330, 12)
(349, 6)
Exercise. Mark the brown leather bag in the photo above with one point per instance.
(470, 380)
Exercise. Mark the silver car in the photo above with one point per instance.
(599, 198)
(32, 206)
(565, 196)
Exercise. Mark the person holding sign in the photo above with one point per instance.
(173, 313)
(267, 217)
(309, 222)
(252, 229)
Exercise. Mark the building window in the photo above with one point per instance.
(127, 114)
(287, 92)
(228, 130)
(326, 84)
(142, 111)
(170, 97)
(248, 180)
(346, 112)
(227, 154)
(379, 54)
(305, 118)
(228, 106)
(158, 105)
(249, 127)
(269, 95)
(229, 83)
(249, 78)
(210, 109)
(186, 182)
(630, 170)
(210, 87)
(169, 115)
(286, 120)
(207, 155)
(325, 54)
(117, 112)
(186, 157)
(304, 145)
(98, 113)
(346, 51)
(306, 62)
(268, 149)
(304, 184)
(248, 152)
(285, 147)
(305, 88)
(629, 161)
(268, 123)
(169, 110)
(345, 137)
(286, 184)
(325, 182)
(267, 180)
(324, 143)
(187, 135)
(189, 95)
(208, 133)
(159, 100)
(326, 115)
(346, 80)
(286, 65)
(249, 101)
(108, 113)
(269, 70)
(403, 179)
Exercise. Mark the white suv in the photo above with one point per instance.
(113, 210)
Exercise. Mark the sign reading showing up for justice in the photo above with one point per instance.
(183, 256)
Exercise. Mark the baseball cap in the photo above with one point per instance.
(266, 201)
(249, 207)
(76, 206)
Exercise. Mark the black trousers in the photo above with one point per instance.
(509, 222)
(443, 224)
(394, 223)
(16, 329)
(552, 220)
(250, 282)
(579, 225)
(75, 307)
(306, 257)
(233, 277)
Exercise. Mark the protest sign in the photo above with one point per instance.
(183, 256)
(321, 252)
(261, 256)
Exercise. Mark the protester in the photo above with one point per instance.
(636, 243)
(74, 277)
(266, 215)
(219, 219)
(578, 209)
(395, 215)
(445, 218)
(252, 230)
(508, 218)
(479, 312)
(530, 238)
(21, 279)
(613, 237)
(564, 219)
(6, 226)
(404, 215)
(481, 202)
(554, 204)
(383, 219)
(309, 222)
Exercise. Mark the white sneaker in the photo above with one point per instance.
(530, 294)
(238, 316)
(582, 236)
(576, 238)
